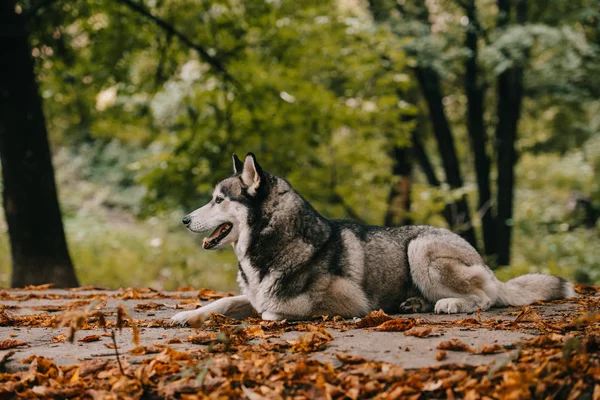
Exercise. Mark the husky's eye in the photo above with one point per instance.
(218, 200)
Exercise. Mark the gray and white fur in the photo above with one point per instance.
(295, 263)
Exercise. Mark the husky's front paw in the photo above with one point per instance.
(186, 317)
(447, 306)
(456, 305)
(271, 316)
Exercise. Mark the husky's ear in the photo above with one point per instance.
(251, 174)
(237, 164)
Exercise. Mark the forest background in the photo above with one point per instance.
(479, 115)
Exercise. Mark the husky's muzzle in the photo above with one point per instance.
(215, 238)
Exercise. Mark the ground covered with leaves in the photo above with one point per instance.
(559, 357)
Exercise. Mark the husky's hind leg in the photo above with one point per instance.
(451, 274)
(415, 305)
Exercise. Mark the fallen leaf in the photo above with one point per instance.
(149, 306)
(141, 350)
(89, 338)
(349, 358)
(45, 286)
(528, 314)
(419, 331)
(455, 345)
(396, 325)
(202, 338)
(441, 355)
(375, 318)
(10, 343)
(496, 348)
(314, 340)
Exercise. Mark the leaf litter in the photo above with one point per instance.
(245, 359)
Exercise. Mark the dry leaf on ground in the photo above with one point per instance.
(396, 325)
(10, 344)
(419, 331)
(89, 338)
(455, 345)
(314, 340)
(375, 318)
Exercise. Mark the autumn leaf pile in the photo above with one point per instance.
(248, 359)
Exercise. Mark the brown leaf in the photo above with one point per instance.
(491, 349)
(528, 314)
(5, 319)
(59, 338)
(350, 359)
(149, 306)
(441, 355)
(173, 341)
(45, 286)
(314, 340)
(419, 331)
(202, 338)
(185, 289)
(141, 350)
(455, 345)
(10, 343)
(375, 318)
(396, 325)
(209, 294)
(255, 331)
(89, 338)
(109, 345)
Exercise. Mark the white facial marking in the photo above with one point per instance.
(214, 214)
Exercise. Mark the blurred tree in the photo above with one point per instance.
(475, 45)
(39, 249)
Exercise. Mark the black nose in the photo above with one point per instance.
(186, 220)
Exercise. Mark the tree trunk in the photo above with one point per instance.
(38, 245)
(399, 199)
(510, 94)
(430, 86)
(476, 129)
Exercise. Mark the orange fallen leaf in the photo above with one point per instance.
(419, 331)
(45, 286)
(396, 325)
(89, 338)
(59, 338)
(455, 345)
(375, 318)
(441, 355)
(528, 314)
(202, 338)
(141, 350)
(491, 349)
(10, 343)
(350, 359)
(314, 340)
(149, 306)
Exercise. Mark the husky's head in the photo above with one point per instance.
(227, 212)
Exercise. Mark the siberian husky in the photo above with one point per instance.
(295, 264)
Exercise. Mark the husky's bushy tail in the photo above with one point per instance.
(529, 288)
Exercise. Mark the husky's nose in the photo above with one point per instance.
(186, 220)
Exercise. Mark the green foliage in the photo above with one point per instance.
(143, 127)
